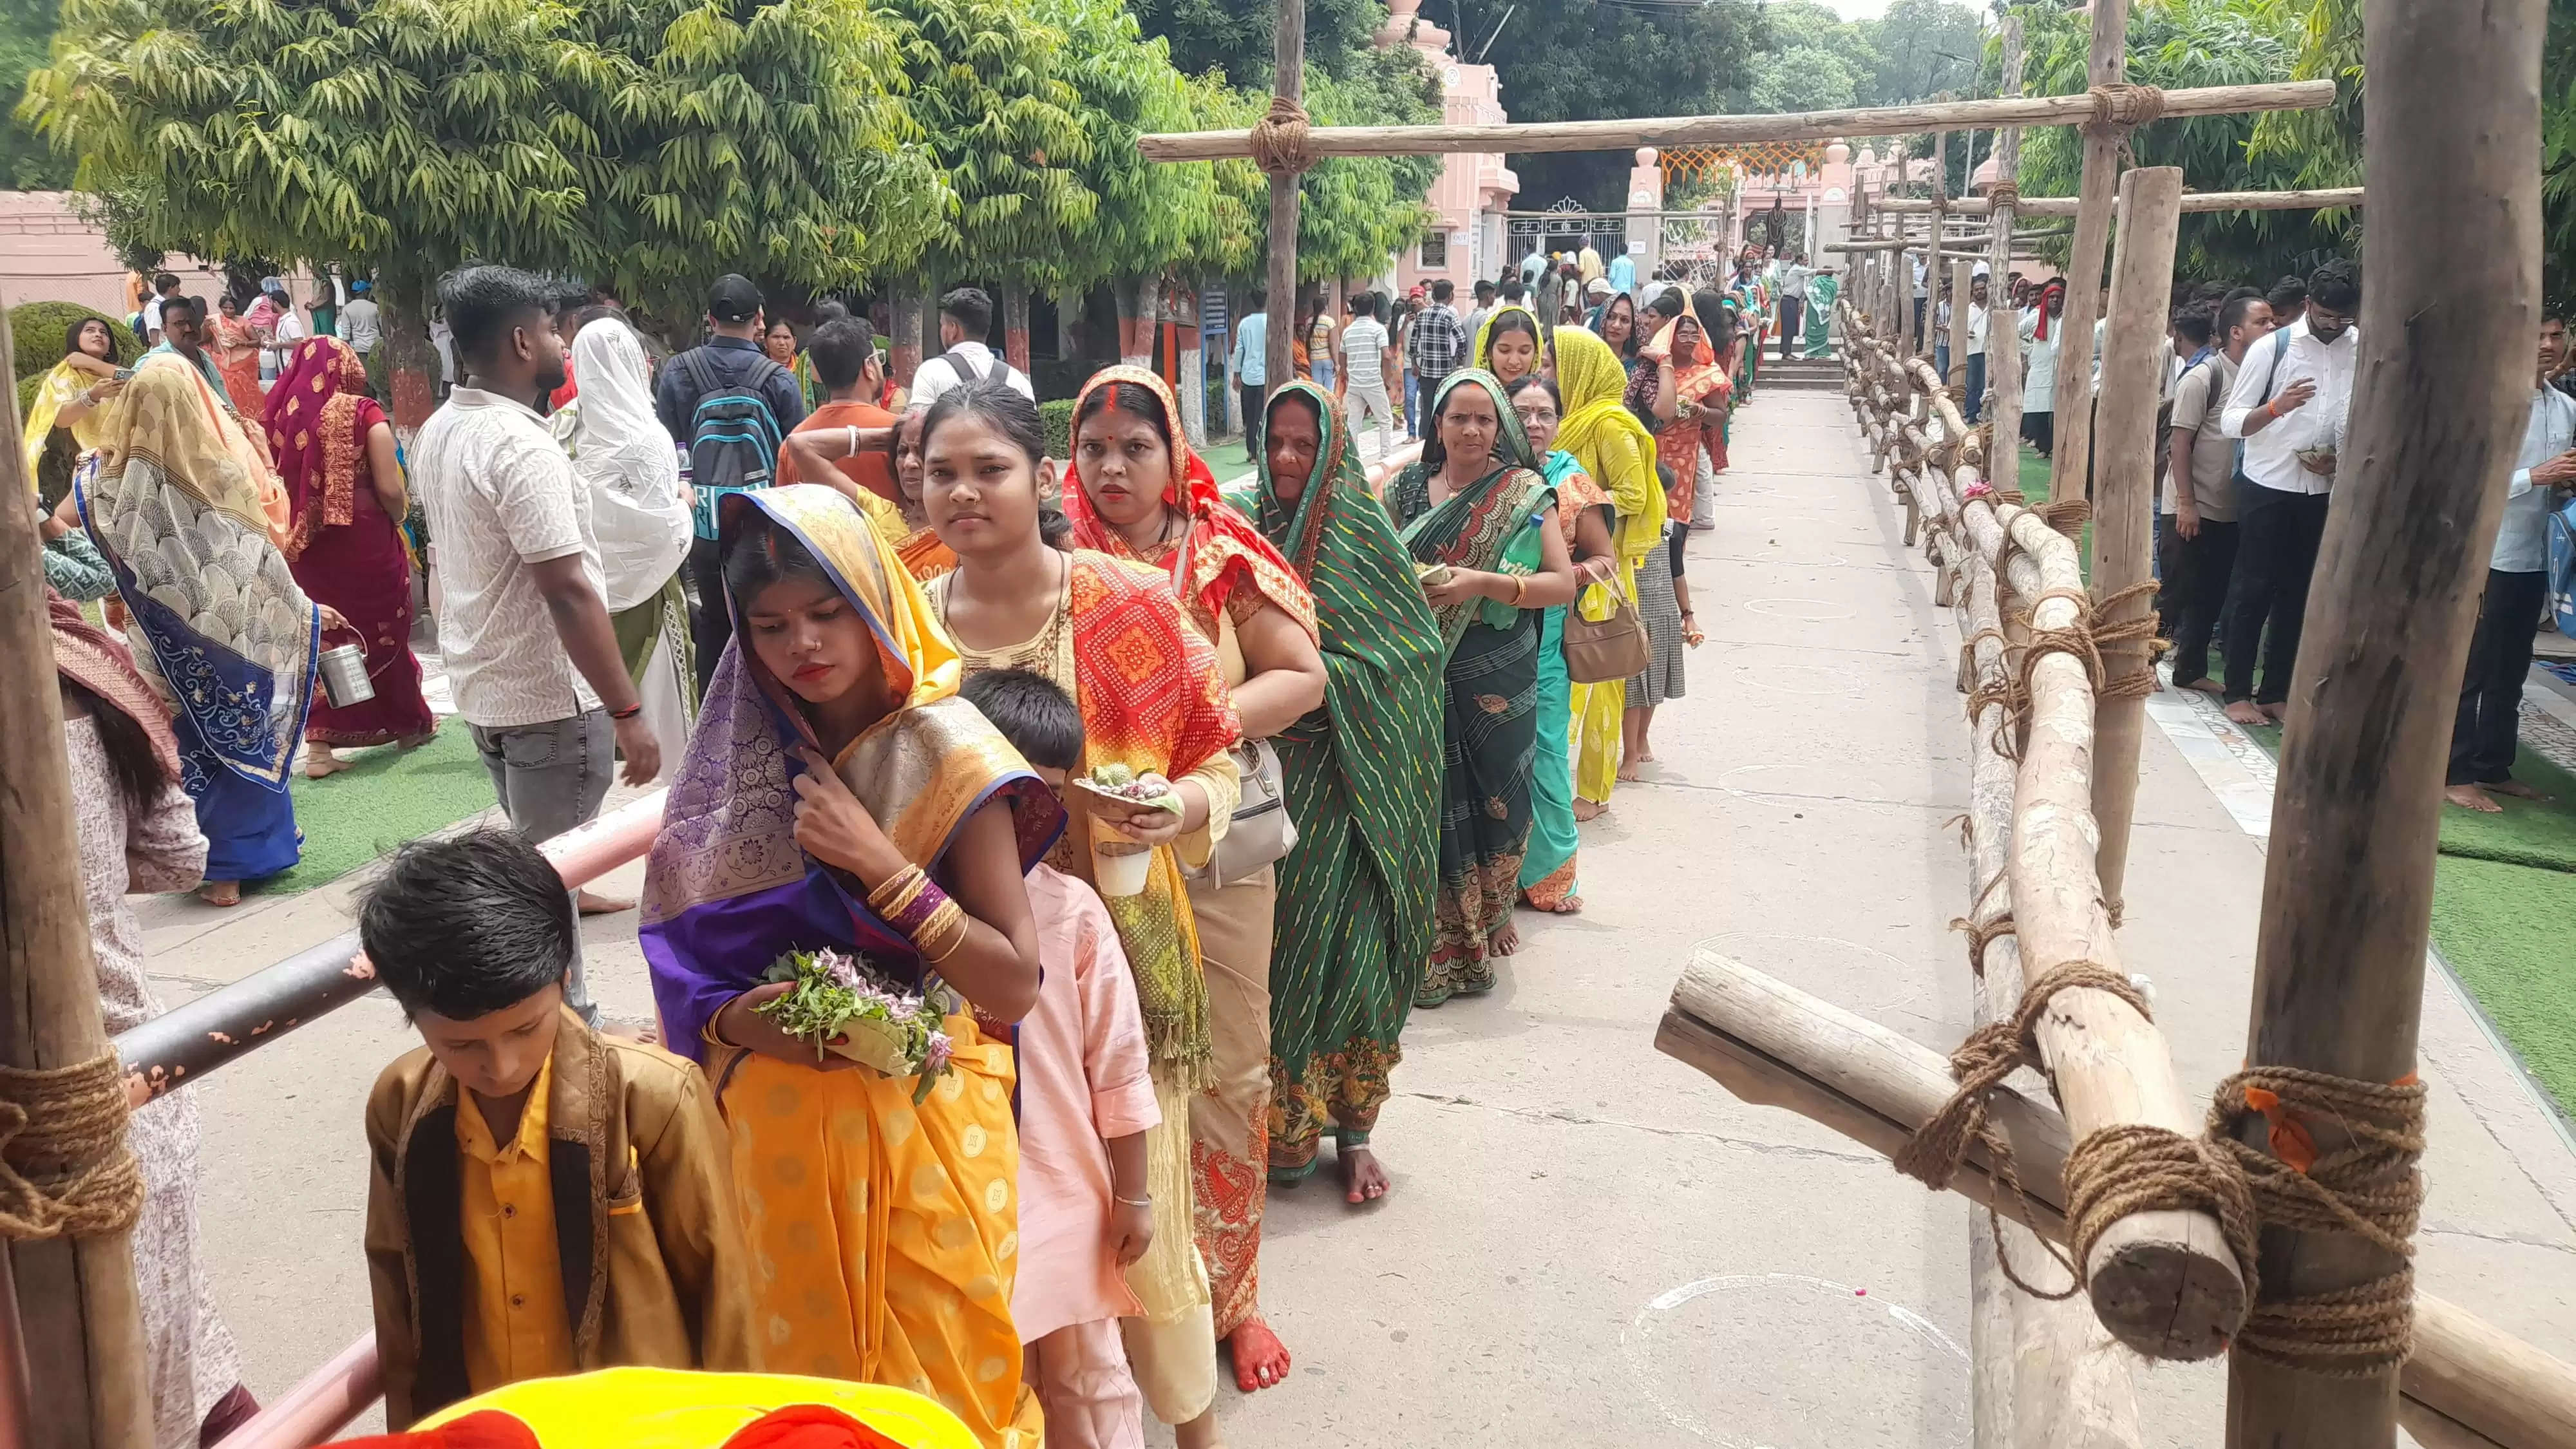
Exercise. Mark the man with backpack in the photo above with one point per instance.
(965, 320)
(729, 406)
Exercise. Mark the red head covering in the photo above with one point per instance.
(88, 657)
(1221, 549)
(2055, 288)
(318, 417)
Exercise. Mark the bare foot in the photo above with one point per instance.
(599, 905)
(2516, 789)
(1364, 1178)
(322, 766)
(2470, 797)
(1504, 940)
(1628, 771)
(1588, 809)
(1646, 755)
(1260, 1359)
(1571, 905)
(2246, 712)
(413, 742)
(2276, 713)
(220, 893)
(2207, 685)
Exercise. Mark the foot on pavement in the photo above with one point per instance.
(1364, 1178)
(2470, 797)
(1260, 1359)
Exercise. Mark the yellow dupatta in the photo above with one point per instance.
(1619, 453)
(60, 388)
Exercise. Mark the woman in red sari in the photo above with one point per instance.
(335, 451)
(236, 349)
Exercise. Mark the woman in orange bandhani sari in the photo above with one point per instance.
(922, 552)
(1137, 491)
(236, 350)
(837, 794)
(1112, 634)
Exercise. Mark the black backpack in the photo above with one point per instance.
(734, 436)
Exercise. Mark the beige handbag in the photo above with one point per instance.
(1260, 832)
(1614, 648)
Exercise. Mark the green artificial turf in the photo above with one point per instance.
(2503, 928)
(386, 797)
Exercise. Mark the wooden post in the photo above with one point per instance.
(2003, 321)
(1015, 324)
(1288, 82)
(2071, 452)
(81, 1317)
(2439, 404)
(2125, 493)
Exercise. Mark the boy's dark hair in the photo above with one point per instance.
(2196, 322)
(2287, 293)
(2231, 314)
(2234, 293)
(1513, 291)
(841, 349)
(971, 309)
(1484, 290)
(482, 303)
(1039, 719)
(1443, 290)
(2336, 286)
(165, 283)
(467, 925)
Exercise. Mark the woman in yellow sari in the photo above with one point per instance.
(1619, 454)
(835, 794)
(73, 391)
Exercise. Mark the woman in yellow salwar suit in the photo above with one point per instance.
(837, 793)
(1619, 453)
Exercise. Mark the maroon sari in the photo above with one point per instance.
(345, 551)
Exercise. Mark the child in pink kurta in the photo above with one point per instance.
(1086, 1102)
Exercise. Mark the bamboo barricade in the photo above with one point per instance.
(2193, 202)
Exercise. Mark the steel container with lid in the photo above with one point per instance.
(344, 676)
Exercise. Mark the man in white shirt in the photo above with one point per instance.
(1793, 301)
(1980, 317)
(965, 320)
(1367, 351)
(515, 552)
(2197, 537)
(2289, 405)
(1249, 365)
(2488, 726)
(164, 287)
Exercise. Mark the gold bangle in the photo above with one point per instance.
(890, 898)
(955, 939)
(1520, 587)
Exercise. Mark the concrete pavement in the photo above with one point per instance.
(1589, 1242)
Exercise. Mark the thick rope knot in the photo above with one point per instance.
(2136, 1168)
(64, 1167)
(2123, 106)
(2003, 193)
(2135, 683)
(1280, 140)
(2368, 1187)
(2067, 515)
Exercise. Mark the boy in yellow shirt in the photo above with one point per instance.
(545, 1200)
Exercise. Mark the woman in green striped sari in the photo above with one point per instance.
(1363, 780)
(1476, 512)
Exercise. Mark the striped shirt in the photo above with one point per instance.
(1437, 344)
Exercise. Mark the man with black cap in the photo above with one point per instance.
(729, 407)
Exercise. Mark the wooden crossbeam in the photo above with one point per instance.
(2192, 201)
(1737, 130)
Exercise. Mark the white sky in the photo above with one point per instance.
(1856, 9)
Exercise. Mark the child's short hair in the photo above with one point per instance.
(1040, 720)
(466, 925)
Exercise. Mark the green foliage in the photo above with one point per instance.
(2176, 44)
(37, 330)
(1805, 78)
(26, 162)
(1234, 38)
(1809, 58)
(1580, 60)
(1149, 216)
(623, 140)
(1057, 416)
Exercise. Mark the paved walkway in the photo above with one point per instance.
(1588, 1242)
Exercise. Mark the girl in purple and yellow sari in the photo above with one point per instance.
(837, 793)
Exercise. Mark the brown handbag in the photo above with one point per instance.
(1614, 648)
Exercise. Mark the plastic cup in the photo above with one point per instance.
(1118, 866)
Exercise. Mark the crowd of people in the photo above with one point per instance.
(882, 648)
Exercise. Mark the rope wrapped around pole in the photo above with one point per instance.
(2123, 106)
(65, 1170)
(1282, 143)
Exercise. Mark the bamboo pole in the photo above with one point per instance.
(1772, 1045)
(2070, 453)
(1288, 82)
(2193, 202)
(2438, 408)
(1733, 130)
(1906, 243)
(2124, 494)
(80, 1316)
(2003, 322)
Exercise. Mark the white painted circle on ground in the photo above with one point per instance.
(1807, 611)
(1767, 1361)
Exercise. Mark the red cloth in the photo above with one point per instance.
(808, 1426)
(344, 550)
(90, 658)
(871, 470)
(483, 1429)
(1221, 549)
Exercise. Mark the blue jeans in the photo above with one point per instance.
(1412, 405)
(1976, 386)
(1322, 367)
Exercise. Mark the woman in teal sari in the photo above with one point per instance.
(1480, 522)
(1363, 780)
(1822, 289)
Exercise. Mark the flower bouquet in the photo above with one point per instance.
(835, 1004)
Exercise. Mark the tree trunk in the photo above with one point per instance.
(1193, 368)
(1015, 325)
(2439, 403)
(411, 358)
(905, 346)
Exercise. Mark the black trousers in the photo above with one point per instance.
(2276, 552)
(1790, 307)
(2196, 574)
(711, 621)
(2040, 431)
(2483, 734)
(1256, 396)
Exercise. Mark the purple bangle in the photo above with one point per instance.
(917, 912)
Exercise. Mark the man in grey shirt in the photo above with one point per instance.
(2196, 537)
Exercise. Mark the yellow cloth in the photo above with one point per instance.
(1619, 454)
(646, 1408)
(55, 393)
(515, 1324)
(884, 1237)
(1482, 354)
(168, 414)
(861, 551)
